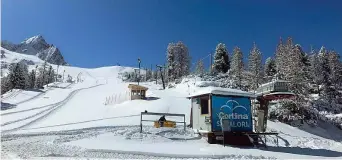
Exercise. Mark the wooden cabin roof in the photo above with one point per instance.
(137, 87)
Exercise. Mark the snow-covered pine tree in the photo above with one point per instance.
(18, 75)
(51, 75)
(327, 90)
(11, 79)
(183, 60)
(335, 68)
(5, 85)
(171, 62)
(200, 68)
(288, 53)
(315, 71)
(306, 63)
(296, 70)
(221, 59)
(32, 79)
(178, 61)
(237, 66)
(280, 58)
(269, 69)
(41, 79)
(254, 67)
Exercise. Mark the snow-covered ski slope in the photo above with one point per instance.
(73, 121)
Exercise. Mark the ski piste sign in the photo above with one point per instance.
(236, 109)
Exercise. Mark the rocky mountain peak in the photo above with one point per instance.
(37, 45)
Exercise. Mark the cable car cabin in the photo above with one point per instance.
(212, 106)
(274, 86)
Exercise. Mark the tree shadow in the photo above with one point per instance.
(6, 106)
(325, 130)
(151, 98)
(304, 151)
(286, 141)
(34, 90)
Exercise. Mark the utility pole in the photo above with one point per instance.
(139, 61)
(161, 73)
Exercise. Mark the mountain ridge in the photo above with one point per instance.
(37, 46)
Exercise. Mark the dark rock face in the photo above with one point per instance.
(37, 45)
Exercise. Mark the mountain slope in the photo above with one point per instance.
(37, 46)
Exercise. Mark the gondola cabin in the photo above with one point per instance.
(211, 105)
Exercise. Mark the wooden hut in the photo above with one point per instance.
(137, 91)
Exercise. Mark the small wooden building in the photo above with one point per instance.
(137, 91)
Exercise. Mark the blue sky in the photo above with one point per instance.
(95, 33)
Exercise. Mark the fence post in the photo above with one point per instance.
(140, 122)
(184, 123)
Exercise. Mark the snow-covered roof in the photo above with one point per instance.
(274, 93)
(274, 81)
(222, 91)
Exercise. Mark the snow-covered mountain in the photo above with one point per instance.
(37, 46)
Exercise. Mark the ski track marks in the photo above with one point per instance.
(44, 113)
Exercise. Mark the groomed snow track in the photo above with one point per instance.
(12, 94)
(42, 114)
(39, 95)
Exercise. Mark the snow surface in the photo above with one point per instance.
(72, 121)
(222, 91)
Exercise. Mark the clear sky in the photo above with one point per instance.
(95, 33)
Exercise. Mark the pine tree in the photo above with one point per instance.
(171, 62)
(335, 68)
(32, 79)
(221, 59)
(254, 66)
(237, 66)
(280, 59)
(183, 60)
(18, 75)
(5, 85)
(296, 70)
(316, 70)
(269, 69)
(200, 68)
(327, 91)
(178, 61)
(41, 79)
(49, 75)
